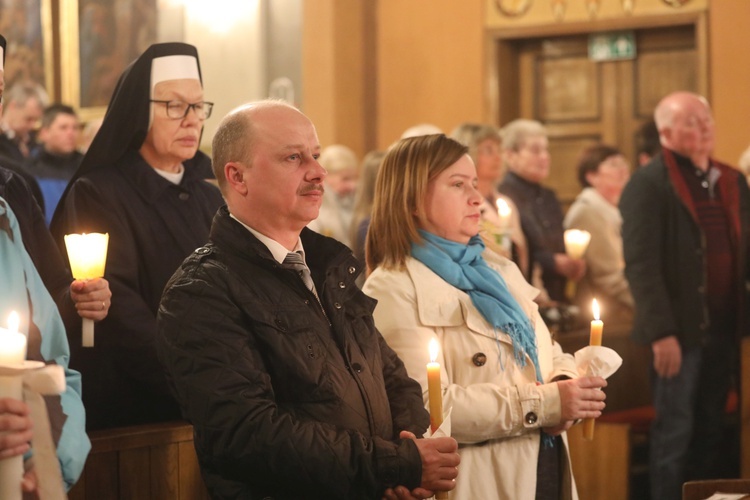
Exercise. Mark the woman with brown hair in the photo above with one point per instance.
(512, 390)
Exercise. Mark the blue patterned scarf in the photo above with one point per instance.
(463, 267)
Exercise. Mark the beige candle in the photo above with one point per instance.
(595, 338)
(435, 394)
(434, 388)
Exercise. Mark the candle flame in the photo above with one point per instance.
(595, 309)
(13, 321)
(434, 347)
(576, 242)
(503, 209)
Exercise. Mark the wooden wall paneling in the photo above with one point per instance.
(102, 476)
(660, 73)
(134, 471)
(601, 467)
(191, 483)
(164, 470)
(569, 89)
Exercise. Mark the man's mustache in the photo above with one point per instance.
(309, 188)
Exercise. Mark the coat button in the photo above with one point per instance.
(479, 359)
(357, 367)
(342, 284)
(352, 269)
(530, 418)
(184, 196)
(280, 325)
(337, 305)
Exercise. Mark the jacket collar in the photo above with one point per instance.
(321, 252)
(150, 184)
(726, 183)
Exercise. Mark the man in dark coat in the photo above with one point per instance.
(143, 181)
(685, 228)
(271, 347)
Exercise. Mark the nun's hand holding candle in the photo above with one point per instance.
(502, 377)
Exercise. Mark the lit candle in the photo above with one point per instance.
(88, 255)
(12, 343)
(595, 338)
(434, 389)
(576, 242)
(435, 394)
(12, 353)
(503, 211)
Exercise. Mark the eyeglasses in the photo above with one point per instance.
(179, 109)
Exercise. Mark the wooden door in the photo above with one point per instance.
(583, 102)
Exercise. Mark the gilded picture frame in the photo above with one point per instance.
(99, 38)
(27, 27)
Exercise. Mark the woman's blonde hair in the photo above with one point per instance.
(400, 191)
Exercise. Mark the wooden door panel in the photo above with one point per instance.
(582, 102)
(659, 73)
(568, 90)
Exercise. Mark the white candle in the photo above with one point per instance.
(503, 211)
(87, 254)
(12, 353)
(12, 343)
(576, 242)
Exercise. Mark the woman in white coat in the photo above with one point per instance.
(512, 390)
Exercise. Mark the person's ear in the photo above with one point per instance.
(234, 172)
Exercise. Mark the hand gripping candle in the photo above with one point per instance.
(88, 255)
(595, 338)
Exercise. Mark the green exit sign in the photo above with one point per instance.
(612, 46)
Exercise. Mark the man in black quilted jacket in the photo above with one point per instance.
(271, 348)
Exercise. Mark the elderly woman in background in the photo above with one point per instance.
(363, 200)
(526, 154)
(143, 181)
(483, 142)
(512, 390)
(335, 219)
(603, 172)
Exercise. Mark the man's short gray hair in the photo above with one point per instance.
(516, 132)
(21, 92)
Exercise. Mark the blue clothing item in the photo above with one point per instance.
(686, 435)
(52, 190)
(464, 267)
(52, 172)
(23, 291)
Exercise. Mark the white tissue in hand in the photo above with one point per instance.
(445, 428)
(597, 361)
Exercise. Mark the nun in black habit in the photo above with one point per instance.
(145, 183)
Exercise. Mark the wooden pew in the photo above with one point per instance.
(745, 409)
(155, 461)
(603, 467)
